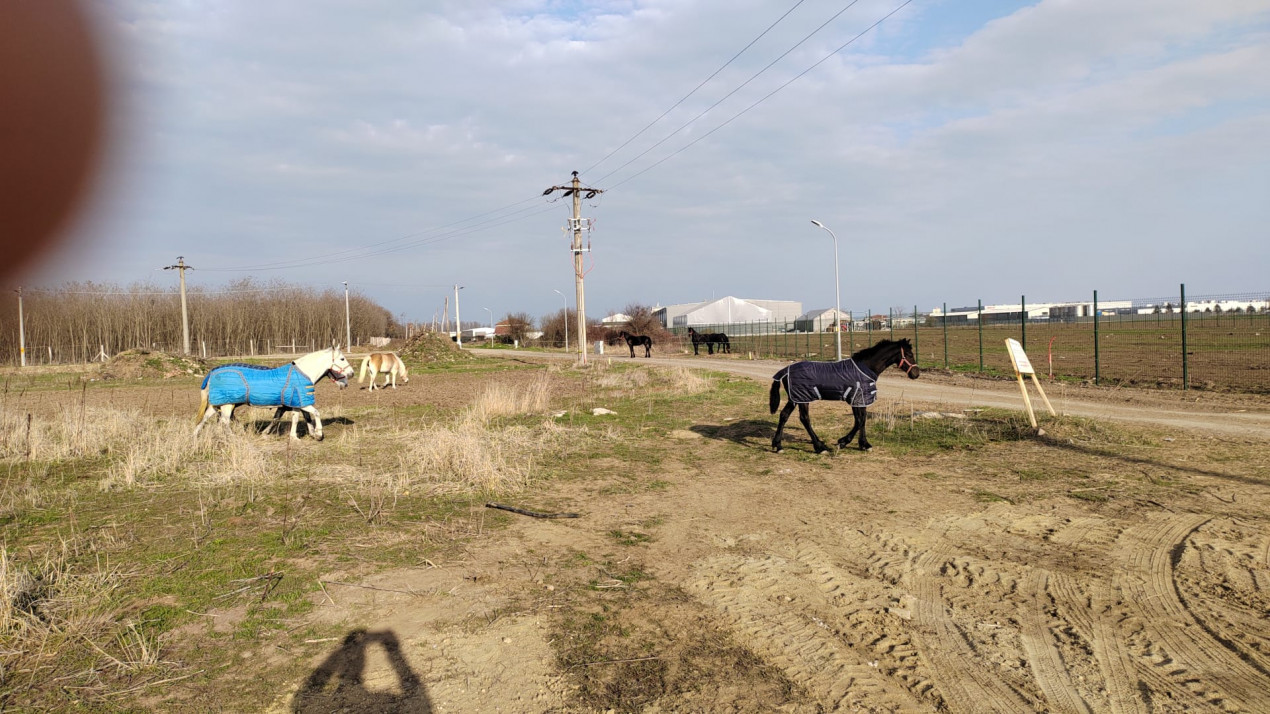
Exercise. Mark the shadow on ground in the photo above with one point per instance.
(337, 685)
(752, 433)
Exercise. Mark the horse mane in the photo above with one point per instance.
(877, 348)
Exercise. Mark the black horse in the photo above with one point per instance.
(631, 340)
(852, 380)
(710, 340)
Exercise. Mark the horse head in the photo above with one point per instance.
(908, 359)
(340, 369)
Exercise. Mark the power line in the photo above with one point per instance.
(769, 95)
(694, 89)
(734, 91)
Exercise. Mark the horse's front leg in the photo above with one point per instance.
(317, 421)
(804, 415)
(855, 427)
(632, 347)
(780, 427)
(862, 418)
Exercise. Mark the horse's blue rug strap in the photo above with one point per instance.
(283, 386)
(850, 382)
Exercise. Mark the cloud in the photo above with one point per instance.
(948, 148)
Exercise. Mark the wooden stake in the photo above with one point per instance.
(1042, 391)
(1026, 401)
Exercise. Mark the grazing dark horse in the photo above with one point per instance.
(852, 380)
(643, 340)
(710, 339)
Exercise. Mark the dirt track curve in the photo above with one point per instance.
(1189, 410)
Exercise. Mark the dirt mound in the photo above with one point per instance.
(433, 347)
(138, 364)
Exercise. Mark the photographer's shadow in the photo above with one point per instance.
(337, 684)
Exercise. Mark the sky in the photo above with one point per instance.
(958, 150)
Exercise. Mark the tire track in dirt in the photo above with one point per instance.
(1042, 652)
(773, 603)
(1217, 583)
(1090, 616)
(1176, 639)
(960, 675)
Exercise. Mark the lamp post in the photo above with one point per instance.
(348, 323)
(837, 295)
(491, 322)
(566, 318)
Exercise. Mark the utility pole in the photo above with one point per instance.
(348, 324)
(575, 189)
(21, 331)
(185, 314)
(458, 324)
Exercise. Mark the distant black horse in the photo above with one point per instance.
(632, 340)
(710, 340)
(852, 380)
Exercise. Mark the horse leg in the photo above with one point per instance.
(780, 427)
(855, 428)
(226, 415)
(277, 417)
(317, 421)
(211, 411)
(862, 417)
(804, 415)
(295, 425)
(709, 348)
(632, 348)
(648, 350)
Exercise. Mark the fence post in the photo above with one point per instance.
(1186, 382)
(890, 320)
(850, 329)
(945, 315)
(916, 356)
(980, 319)
(1023, 321)
(869, 321)
(1096, 356)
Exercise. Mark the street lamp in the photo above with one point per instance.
(491, 322)
(566, 318)
(348, 324)
(837, 294)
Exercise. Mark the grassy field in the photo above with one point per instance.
(1225, 353)
(144, 569)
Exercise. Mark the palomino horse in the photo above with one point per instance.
(852, 380)
(287, 387)
(387, 363)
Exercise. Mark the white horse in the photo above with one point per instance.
(287, 387)
(386, 362)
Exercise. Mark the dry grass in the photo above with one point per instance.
(680, 381)
(74, 432)
(506, 400)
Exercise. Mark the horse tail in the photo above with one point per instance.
(202, 403)
(774, 397)
(362, 377)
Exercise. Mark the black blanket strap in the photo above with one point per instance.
(534, 514)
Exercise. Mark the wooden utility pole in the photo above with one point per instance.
(575, 189)
(185, 314)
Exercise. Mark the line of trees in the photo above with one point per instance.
(77, 320)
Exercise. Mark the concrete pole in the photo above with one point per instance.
(837, 293)
(577, 265)
(348, 323)
(458, 324)
(21, 331)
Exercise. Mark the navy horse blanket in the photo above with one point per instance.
(284, 386)
(848, 381)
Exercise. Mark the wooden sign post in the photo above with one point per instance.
(1022, 366)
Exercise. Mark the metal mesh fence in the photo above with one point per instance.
(1219, 342)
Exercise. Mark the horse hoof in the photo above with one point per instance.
(778, 449)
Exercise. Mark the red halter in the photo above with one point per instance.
(903, 361)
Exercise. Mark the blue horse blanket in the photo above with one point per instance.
(258, 386)
(807, 382)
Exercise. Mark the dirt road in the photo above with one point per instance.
(709, 574)
(1229, 414)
